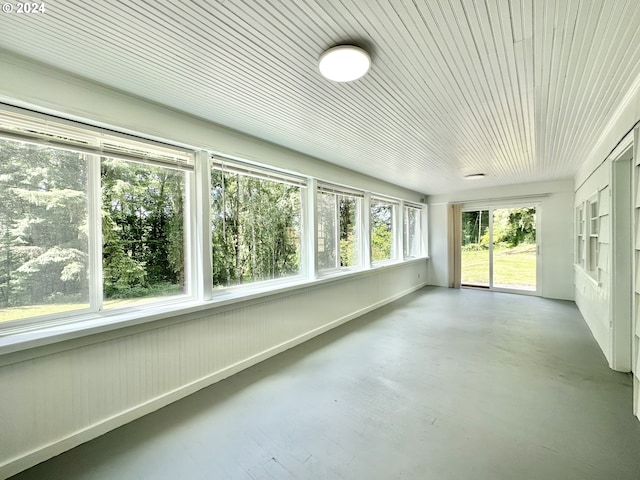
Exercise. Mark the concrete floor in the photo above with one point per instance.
(442, 384)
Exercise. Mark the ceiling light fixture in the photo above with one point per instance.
(474, 176)
(344, 63)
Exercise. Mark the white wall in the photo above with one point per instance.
(438, 267)
(595, 301)
(57, 396)
(556, 231)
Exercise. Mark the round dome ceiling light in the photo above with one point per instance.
(344, 63)
(474, 176)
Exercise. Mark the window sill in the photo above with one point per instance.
(384, 263)
(339, 272)
(587, 275)
(99, 327)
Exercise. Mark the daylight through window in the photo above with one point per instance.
(94, 220)
(43, 231)
(338, 217)
(256, 219)
(83, 231)
(412, 229)
(383, 236)
(143, 219)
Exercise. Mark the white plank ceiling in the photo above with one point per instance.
(517, 89)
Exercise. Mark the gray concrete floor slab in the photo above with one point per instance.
(442, 384)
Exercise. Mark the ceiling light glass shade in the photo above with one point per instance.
(344, 63)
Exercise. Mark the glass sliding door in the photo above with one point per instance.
(514, 248)
(475, 248)
(499, 249)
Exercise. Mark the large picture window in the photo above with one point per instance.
(94, 220)
(256, 219)
(43, 231)
(338, 217)
(383, 237)
(142, 231)
(88, 220)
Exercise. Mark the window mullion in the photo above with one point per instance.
(94, 232)
(201, 259)
(366, 230)
(423, 215)
(336, 230)
(190, 237)
(310, 245)
(401, 233)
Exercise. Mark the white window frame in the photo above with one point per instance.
(396, 229)
(580, 235)
(359, 196)
(250, 169)
(592, 250)
(96, 142)
(406, 206)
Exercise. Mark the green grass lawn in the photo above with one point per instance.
(515, 268)
(16, 313)
(512, 267)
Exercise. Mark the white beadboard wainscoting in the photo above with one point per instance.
(51, 403)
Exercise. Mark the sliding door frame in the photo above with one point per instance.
(499, 205)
